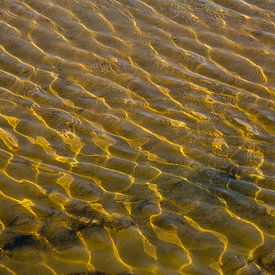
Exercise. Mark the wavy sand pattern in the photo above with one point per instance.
(137, 137)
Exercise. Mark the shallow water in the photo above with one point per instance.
(137, 136)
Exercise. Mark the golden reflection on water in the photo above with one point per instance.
(137, 136)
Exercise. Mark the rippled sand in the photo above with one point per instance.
(137, 137)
